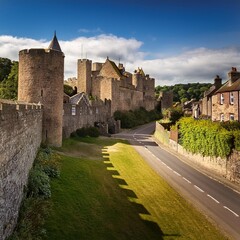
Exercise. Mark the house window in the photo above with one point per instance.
(231, 98)
(231, 117)
(221, 98)
(73, 110)
(221, 117)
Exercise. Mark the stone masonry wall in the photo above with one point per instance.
(78, 116)
(20, 138)
(229, 168)
(226, 108)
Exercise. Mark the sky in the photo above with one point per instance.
(174, 41)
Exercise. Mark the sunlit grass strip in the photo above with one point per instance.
(171, 212)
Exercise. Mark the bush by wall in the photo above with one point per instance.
(86, 131)
(30, 222)
(130, 119)
(205, 137)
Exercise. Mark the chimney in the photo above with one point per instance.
(121, 68)
(233, 75)
(217, 82)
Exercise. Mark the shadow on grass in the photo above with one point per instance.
(143, 213)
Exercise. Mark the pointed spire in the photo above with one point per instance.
(54, 45)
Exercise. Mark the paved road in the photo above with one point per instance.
(216, 200)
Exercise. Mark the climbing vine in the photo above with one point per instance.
(205, 137)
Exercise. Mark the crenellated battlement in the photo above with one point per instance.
(39, 52)
(12, 106)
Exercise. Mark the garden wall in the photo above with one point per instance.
(227, 167)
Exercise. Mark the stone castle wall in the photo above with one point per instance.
(20, 138)
(41, 81)
(82, 115)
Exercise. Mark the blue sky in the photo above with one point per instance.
(175, 41)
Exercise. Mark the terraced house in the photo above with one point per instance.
(225, 101)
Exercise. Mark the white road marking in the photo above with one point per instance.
(214, 199)
(198, 188)
(177, 173)
(169, 167)
(231, 211)
(186, 180)
(164, 163)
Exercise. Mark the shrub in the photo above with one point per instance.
(130, 119)
(88, 131)
(73, 134)
(81, 132)
(38, 184)
(205, 137)
(93, 132)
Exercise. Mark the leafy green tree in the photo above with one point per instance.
(9, 86)
(5, 68)
(68, 90)
(185, 91)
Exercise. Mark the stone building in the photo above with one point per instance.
(41, 74)
(206, 108)
(165, 100)
(108, 81)
(225, 101)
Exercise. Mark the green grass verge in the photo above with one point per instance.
(114, 194)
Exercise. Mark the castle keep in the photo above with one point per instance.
(44, 114)
(108, 81)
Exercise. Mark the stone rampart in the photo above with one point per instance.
(20, 138)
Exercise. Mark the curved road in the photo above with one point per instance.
(220, 203)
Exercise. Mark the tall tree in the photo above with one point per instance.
(5, 68)
(9, 86)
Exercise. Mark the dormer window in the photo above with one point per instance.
(231, 98)
(221, 98)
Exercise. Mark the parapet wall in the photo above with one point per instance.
(20, 138)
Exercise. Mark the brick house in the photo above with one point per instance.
(225, 101)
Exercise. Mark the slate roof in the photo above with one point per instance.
(76, 99)
(54, 45)
(116, 69)
(228, 87)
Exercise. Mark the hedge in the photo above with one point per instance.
(205, 137)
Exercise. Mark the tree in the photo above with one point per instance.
(183, 92)
(9, 86)
(5, 68)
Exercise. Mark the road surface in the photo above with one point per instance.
(216, 200)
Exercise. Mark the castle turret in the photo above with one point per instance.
(137, 81)
(41, 76)
(84, 80)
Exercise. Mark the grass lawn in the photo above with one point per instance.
(107, 191)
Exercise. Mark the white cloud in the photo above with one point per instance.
(197, 65)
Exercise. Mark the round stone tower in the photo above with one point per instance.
(41, 76)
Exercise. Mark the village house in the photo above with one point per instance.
(225, 101)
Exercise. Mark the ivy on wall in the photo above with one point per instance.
(206, 137)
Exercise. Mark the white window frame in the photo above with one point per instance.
(73, 110)
(222, 117)
(221, 98)
(231, 98)
(231, 117)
